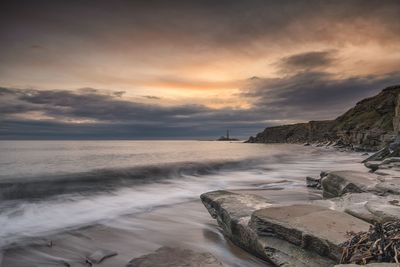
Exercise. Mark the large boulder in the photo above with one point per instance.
(338, 183)
(173, 257)
(312, 227)
(233, 212)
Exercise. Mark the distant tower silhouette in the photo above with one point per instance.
(227, 134)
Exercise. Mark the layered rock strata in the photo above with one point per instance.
(370, 125)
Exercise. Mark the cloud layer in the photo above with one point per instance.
(180, 69)
(91, 113)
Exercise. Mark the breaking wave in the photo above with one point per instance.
(39, 187)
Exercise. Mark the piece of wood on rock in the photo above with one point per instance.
(312, 227)
(173, 257)
(338, 183)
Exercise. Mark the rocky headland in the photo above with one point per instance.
(357, 221)
(370, 125)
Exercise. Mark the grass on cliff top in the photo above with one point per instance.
(366, 120)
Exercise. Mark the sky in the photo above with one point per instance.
(183, 69)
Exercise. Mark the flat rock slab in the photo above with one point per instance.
(312, 227)
(231, 208)
(365, 206)
(385, 210)
(389, 186)
(175, 257)
(391, 160)
(239, 205)
(338, 183)
(233, 212)
(393, 173)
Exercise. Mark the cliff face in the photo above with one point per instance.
(370, 125)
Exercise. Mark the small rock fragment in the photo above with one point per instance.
(313, 182)
(99, 255)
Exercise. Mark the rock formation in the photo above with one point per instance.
(314, 233)
(305, 234)
(234, 213)
(175, 257)
(370, 125)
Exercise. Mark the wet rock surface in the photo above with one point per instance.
(313, 182)
(367, 206)
(175, 257)
(233, 212)
(316, 182)
(338, 183)
(309, 234)
(312, 227)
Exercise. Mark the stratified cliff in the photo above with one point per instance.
(370, 125)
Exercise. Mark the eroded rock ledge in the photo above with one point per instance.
(234, 213)
(306, 234)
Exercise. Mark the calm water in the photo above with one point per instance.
(139, 195)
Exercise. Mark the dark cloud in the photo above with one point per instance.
(308, 61)
(37, 47)
(313, 95)
(225, 22)
(90, 104)
(101, 114)
(105, 115)
(151, 97)
(27, 129)
(119, 93)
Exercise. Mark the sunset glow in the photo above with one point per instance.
(195, 53)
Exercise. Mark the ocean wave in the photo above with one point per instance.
(39, 187)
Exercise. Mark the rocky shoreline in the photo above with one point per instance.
(319, 233)
(314, 233)
(370, 125)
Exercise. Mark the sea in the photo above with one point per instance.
(62, 200)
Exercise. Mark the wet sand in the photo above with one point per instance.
(186, 225)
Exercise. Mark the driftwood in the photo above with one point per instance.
(380, 244)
